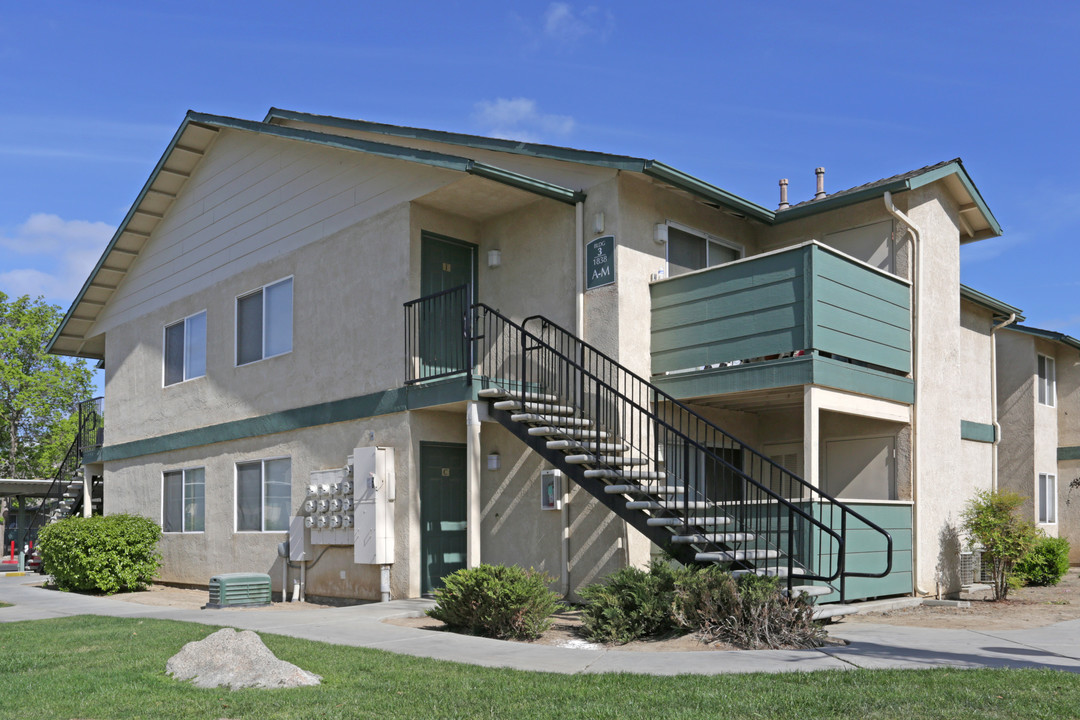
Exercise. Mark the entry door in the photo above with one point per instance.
(443, 531)
(445, 263)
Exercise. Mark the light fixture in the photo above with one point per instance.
(493, 461)
(661, 233)
(598, 223)
(494, 258)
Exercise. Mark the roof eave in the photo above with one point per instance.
(704, 190)
(1001, 310)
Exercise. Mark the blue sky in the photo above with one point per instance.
(739, 94)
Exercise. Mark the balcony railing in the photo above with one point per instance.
(808, 301)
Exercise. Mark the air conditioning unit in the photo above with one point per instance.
(239, 590)
(973, 571)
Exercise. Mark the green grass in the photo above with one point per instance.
(93, 667)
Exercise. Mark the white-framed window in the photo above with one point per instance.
(689, 249)
(264, 322)
(263, 495)
(183, 500)
(1047, 379)
(185, 349)
(1047, 498)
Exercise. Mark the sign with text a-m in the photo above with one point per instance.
(600, 262)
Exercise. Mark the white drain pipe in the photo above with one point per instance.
(916, 263)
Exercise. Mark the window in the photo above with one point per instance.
(689, 250)
(1047, 381)
(185, 349)
(1047, 498)
(183, 500)
(264, 322)
(263, 495)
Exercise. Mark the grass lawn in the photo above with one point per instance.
(95, 667)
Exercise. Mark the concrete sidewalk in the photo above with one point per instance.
(1056, 647)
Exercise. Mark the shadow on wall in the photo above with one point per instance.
(947, 576)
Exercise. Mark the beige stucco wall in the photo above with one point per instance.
(1016, 410)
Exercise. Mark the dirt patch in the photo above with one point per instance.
(1028, 607)
(194, 599)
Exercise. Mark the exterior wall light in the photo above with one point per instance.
(493, 461)
(494, 258)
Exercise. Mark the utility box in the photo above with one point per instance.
(328, 489)
(239, 590)
(373, 505)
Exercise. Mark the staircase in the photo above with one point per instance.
(683, 482)
(65, 495)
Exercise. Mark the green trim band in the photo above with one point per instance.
(387, 402)
(1069, 453)
(979, 432)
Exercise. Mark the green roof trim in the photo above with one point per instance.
(704, 190)
(539, 150)
(119, 231)
(1048, 335)
(524, 182)
(956, 167)
(1001, 310)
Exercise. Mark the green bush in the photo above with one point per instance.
(750, 611)
(990, 520)
(497, 601)
(1046, 563)
(104, 554)
(632, 603)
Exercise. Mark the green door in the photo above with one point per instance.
(445, 263)
(443, 532)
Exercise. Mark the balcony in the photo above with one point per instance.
(804, 315)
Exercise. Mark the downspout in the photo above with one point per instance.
(916, 264)
(993, 400)
(579, 329)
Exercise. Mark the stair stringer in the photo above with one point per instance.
(595, 487)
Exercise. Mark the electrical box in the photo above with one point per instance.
(328, 486)
(551, 493)
(373, 505)
(298, 547)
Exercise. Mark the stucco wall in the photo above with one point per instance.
(1016, 410)
(1045, 439)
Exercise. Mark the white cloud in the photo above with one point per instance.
(520, 119)
(50, 256)
(563, 23)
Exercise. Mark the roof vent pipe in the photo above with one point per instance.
(783, 195)
(820, 172)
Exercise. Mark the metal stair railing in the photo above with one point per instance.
(779, 523)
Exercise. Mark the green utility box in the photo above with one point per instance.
(239, 590)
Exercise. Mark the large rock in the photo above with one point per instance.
(236, 659)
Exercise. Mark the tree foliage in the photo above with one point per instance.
(38, 392)
(990, 520)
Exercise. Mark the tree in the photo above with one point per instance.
(38, 392)
(990, 520)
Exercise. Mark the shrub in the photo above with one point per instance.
(104, 554)
(631, 604)
(990, 520)
(1046, 563)
(497, 601)
(750, 611)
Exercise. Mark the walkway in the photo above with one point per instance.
(1055, 647)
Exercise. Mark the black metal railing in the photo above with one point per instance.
(438, 332)
(59, 498)
(734, 504)
(91, 424)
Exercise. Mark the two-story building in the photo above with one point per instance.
(770, 389)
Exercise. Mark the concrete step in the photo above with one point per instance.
(492, 393)
(534, 407)
(810, 590)
(665, 505)
(698, 538)
(616, 460)
(826, 612)
(581, 445)
(645, 490)
(781, 572)
(679, 523)
(737, 555)
(625, 474)
(551, 420)
(555, 430)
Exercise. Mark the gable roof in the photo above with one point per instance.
(974, 211)
(1001, 310)
(189, 144)
(1047, 335)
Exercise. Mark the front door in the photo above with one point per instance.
(445, 263)
(443, 531)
